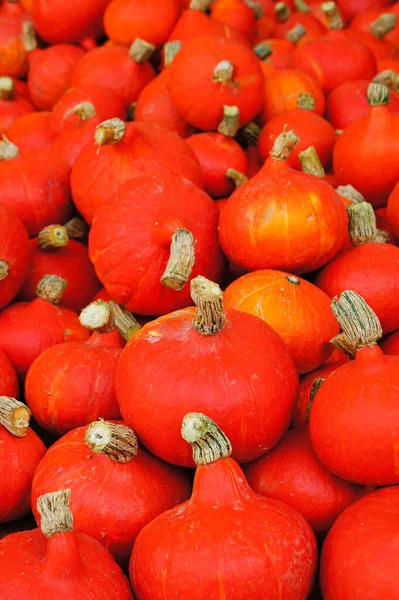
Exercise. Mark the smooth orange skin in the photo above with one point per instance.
(281, 92)
(235, 14)
(68, 144)
(14, 249)
(265, 28)
(299, 312)
(33, 131)
(393, 211)
(195, 23)
(153, 21)
(282, 219)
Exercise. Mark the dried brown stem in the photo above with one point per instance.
(210, 315)
(14, 416)
(181, 260)
(118, 442)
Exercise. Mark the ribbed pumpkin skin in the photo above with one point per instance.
(20, 457)
(67, 565)
(14, 249)
(237, 538)
(110, 501)
(371, 270)
(292, 473)
(296, 309)
(354, 419)
(250, 394)
(129, 242)
(359, 555)
(8, 378)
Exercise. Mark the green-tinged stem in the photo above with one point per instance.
(358, 321)
(207, 440)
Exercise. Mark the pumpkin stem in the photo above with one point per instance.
(199, 5)
(343, 344)
(236, 177)
(52, 236)
(77, 228)
(131, 111)
(310, 162)
(358, 321)
(170, 50)
(306, 101)
(362, 223)
(29, 41)
(125, 322)
(282, 11)
(210, 315)
(293, 279)
(109, 132)
(14, 416)
(378, 94)
(389, 78)
(8, 150)
(318, 382)
(181, 260)
(256, 8)
(4, 269)
(383, 25)
(223, 72)
(207, 440)
(231, 121)
(301, 6)
(84, 111)
(381, 237)
(263, 50)
(334, 19)
(51, 288)
(140, 51)
(7, 88)
(97, 316)
(118, 442)
(284, 145)
(248, 135)
(350, 193)
(296, 33)
(56, 516)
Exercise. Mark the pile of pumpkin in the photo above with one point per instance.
(206, 445)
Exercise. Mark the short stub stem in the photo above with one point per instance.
(109, 132)
(97, 316)
(310, 162)
(55, 513)
(125, 322)
(140, 51)
(51, 288)
(210, 315)
(4, 269)
(236, 177)
(52, 236)
(118, 442)
(14, 416)
(230, 122)
(334, 19)
(284, 145)
(318, 382)
(207, 440)
(358, 321)
(181, 260)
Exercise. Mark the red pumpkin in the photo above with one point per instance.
(283, 90)
(8, 377)
(274, 53)
(12, 104)
(16, 40)
(226, 73)
(296, 309)
(21, 452)
(236, 14)
(311, 129)
(57, 561)
(125, 20)
(53, 252)
(35, 185)
(282, 218)
(28, 328)
(334, 57)
(155, 106)
(383, 223)
(355, 411)
(220, 378)
(117, 68)
(393, 210)
(390, 344)
(59, 23)
(149, 228)
(217, 154)
(381, 49)
(373, 166)
(351, 8)
(223, 524)
(293, 473)
(50, 73)
(14, 253)
(33, 131)
(359, 554)
(194, 23)
(287, 21)
(70, 142)
(116, 487)
(121, 152)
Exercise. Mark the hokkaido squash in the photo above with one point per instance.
(14, 253)
(16, 40)
(12, 104)
(236, 14)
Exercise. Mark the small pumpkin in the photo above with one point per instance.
(236, 14)
(274, 53)
(16, 40)
(14, 254)
(13, 104)
(33, 131)
(351, 8)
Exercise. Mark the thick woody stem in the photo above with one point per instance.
(256, 8)
(4, 269)
(199, 5)
(381, 237)
(118, 442)
(125, 322)
(358, 321)
(296, 33)
(181, 260)
(306, 101)
(263, 50)
(310, 162)
(362, 223)
(342, 343)
(389, 78)
(378, 94)
(7, 88)
(14, 416)
(97, 316)
(231, 121)
(284, 145)
(56, 516)
(210, 315)
(109, 132)
(293, 279)
(318, 382)
(8, 150)
(350, 193)
(223, 72)
(301, 6)
(334, 19)
(28, 36)
(383, 25)
(282, 11)
(51, 288)
(170, 50)
(236, 177)
(84, 111)
(77, 229)
(207, 440)
(140, 51)
(52, 236)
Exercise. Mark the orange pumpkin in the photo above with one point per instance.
(235, 14)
